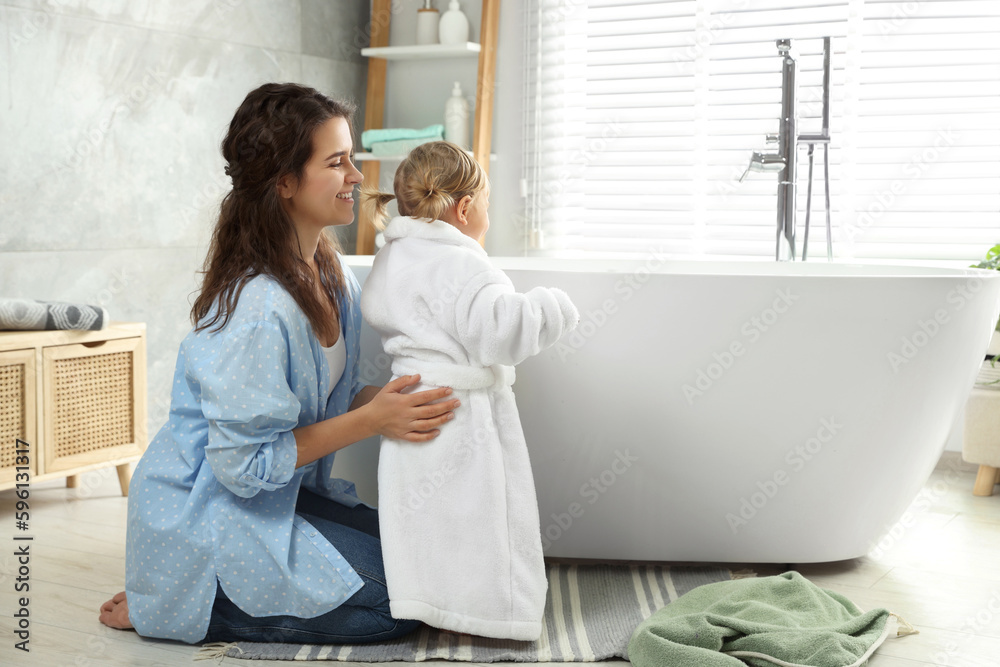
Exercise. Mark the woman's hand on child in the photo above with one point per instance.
(413, 417)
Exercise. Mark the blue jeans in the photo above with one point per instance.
(364, 617)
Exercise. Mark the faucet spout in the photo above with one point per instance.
(768, 162)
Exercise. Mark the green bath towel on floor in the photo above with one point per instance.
(784, 620)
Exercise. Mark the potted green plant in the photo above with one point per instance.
(992, 260)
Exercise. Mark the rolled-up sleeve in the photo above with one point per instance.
(251, 410)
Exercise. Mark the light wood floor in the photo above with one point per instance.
(941, 572)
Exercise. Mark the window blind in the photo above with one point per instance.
(641, 117)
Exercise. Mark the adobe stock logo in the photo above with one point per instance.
(752, 329)
(591, 490)
(796, 457)
(926, 330)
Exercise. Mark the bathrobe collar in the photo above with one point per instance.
(436, 230)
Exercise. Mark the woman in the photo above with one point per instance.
(236, 528)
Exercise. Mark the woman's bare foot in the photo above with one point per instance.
(114, 613)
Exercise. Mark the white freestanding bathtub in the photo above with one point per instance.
(735, 411)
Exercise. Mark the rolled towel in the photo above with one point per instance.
(30, 315)
(429, 133)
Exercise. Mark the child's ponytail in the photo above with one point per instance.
(428, 197)
(373, 205)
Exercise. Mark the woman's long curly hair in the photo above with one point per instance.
(269, 137)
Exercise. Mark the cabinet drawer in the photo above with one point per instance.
(94, 407)
(18, 410)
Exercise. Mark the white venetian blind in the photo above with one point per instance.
(641, 117)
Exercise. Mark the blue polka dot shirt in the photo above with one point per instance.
(213, 497)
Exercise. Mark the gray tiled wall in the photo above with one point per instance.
(111, 116)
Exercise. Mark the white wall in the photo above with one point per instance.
(111, 117)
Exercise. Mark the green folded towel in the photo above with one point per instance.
(397, 148)
(783, 620)
(429, 133)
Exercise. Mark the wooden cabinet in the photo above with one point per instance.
(379, 52)
(77, 397)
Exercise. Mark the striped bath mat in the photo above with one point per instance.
(590, 613)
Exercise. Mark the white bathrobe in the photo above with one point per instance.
(458, 514)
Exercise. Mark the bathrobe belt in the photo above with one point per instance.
(456, 376)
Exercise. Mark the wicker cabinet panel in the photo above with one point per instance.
(18, 409)
(94, 402)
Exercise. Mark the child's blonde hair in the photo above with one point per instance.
(432, 179)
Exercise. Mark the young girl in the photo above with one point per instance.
(236, 528)
(459, 520)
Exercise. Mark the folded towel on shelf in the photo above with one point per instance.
(429, 133)
(782, 620)
(398, 148)
(30, 315)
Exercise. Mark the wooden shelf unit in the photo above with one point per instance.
(380, 52)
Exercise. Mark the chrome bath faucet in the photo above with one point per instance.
(784, 160)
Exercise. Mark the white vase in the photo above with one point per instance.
(456, 118)
(454, 26)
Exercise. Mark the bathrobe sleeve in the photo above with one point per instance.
(498, 325)
(251, 410)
